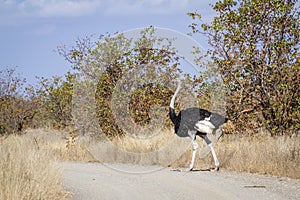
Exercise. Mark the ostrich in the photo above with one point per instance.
(193, 122)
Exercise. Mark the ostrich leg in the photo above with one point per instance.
(195, 147)
(209, 144)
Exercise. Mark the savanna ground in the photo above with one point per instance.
(29, 166)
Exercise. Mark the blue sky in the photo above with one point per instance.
(31, 30)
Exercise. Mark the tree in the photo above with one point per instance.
(56, 97)
(113, 60)
(255, 45)
(18, 103)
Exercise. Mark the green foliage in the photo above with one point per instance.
(135, 72)
(18, 104)
(144, 98)
(56, 96)
(255, 45)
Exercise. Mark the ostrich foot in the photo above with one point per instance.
(187, 170)
(215, 169)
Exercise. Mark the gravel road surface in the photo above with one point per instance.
(88, 181)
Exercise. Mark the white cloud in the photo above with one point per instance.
(135, 7)
(16, 12)
(19, 11)
(71, 8)
(58, 8)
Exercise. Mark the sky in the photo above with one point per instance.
(31, 30)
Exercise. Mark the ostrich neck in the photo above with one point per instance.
(174, 96)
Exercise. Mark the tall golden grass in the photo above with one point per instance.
(155, 150)
(62, 145)
(259, 153)
(263, 154)
(27, 171)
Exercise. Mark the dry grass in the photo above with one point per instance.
(279, 156)
(28, 172)
(262, 154)
(61, 145)
(156, 150)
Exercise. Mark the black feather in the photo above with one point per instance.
(186, 120)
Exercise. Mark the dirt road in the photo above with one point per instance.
(90, 181)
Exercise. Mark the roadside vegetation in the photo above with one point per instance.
(254, 47)
(28, 171)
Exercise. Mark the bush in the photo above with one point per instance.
(255, 45)
(18, 104)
